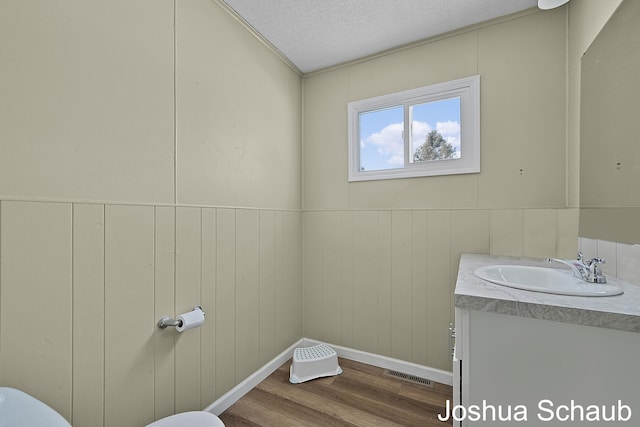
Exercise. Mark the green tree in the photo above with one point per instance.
(435, 147)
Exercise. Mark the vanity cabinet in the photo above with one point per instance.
(539, 360)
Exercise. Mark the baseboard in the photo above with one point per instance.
(233, 395)
(385, 362)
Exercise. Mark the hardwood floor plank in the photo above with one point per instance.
(432, 397)
(362, 396)
(292, 410)
(307, 394)
(253, 411)
(375, 378)
(358, 393)
(230, 419)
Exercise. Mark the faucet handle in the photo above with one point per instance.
(590, 262)
(595, 274)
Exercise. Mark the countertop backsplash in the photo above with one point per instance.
(622, 259)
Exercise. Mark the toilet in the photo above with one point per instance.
(189, 419)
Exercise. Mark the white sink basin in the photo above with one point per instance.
(548, 280)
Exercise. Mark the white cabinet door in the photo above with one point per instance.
(548, 372)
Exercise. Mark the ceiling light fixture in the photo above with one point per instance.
(550, 4)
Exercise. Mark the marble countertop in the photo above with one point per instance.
(620, 312)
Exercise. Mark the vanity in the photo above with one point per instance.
(541, 359)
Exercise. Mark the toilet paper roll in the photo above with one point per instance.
(190, 320)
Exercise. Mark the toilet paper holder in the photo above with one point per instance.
(166, 321)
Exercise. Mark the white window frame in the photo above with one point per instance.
(468, 89)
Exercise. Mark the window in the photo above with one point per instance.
(432, 130)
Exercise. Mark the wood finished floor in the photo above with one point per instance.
(361, 396)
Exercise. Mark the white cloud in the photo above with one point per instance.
(396, 160)
(448, 128)
(388, 143)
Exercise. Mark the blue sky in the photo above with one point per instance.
(381, 143)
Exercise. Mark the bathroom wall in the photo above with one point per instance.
(150, 161)
(380, 257)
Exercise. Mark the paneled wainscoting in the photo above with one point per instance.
(82, 286)
(382, 281)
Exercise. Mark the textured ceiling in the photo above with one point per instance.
(315, 34)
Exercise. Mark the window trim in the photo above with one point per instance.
(468, 89)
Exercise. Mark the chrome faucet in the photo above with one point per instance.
(594, 274)
(584, 270)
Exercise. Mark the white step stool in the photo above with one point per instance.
(313, 362)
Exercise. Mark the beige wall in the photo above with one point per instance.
(99, 103)
(238, 115)
(143, 171)
(380, 257)
(521, 63)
